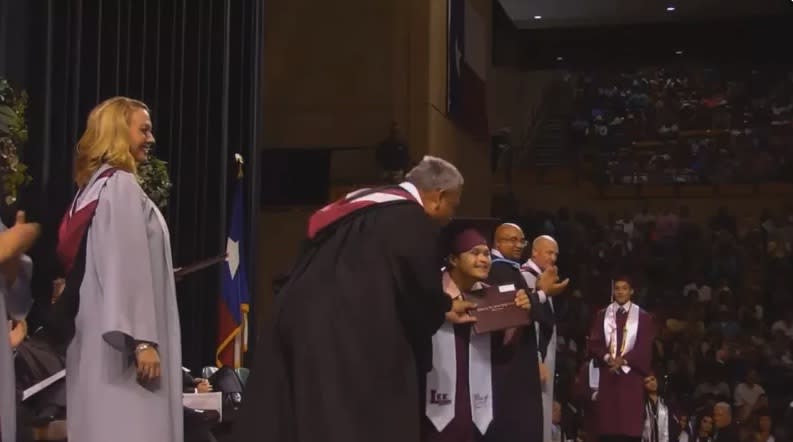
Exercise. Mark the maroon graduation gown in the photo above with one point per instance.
(582, 393)
(516, 412)
(619, 407)
(517, 402)
(517, 392)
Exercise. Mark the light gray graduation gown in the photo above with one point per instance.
(15, 301)
(127, 295)
(550, 363)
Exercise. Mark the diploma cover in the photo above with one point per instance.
(496, 310)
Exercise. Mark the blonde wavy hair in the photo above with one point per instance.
(106, 139)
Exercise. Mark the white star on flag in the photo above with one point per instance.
(233, 256)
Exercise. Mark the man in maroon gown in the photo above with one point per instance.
(621, 342)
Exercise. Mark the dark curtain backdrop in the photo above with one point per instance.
(196, 63)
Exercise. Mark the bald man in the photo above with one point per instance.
(516, 378)
(544, 252)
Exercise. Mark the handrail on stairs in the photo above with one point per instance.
(537, 118)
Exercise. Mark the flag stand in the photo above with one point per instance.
(180, 272)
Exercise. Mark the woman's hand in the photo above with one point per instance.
(147, 359)
(57, 289)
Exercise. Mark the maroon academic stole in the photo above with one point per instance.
(72, 239)
(76, 220)
(354, 202)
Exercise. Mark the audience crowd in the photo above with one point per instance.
(721, 294)
(685, 124)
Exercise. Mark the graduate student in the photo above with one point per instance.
(467, 398)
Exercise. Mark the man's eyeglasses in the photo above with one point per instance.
(519, 241)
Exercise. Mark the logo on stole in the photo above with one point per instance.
(480, 400)
(439, 398)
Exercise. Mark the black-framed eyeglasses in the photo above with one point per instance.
(518, 241)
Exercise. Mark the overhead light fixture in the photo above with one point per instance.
(559, 59)
(538, 17)
(670, 9)
(679, 52)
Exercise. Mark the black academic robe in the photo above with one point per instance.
(651, 418)
(727, 434)
(545, 315)
(350, 332)
(517, 393)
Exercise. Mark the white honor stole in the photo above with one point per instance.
(531, 280)
(594, 378)
(629, 333)
(662, 417)
(442, 380)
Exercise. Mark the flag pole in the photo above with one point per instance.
(240, 162)
(241, 340)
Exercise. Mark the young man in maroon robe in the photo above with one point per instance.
(464, 398)
(585, 389)
(621, 342)
(349, 335)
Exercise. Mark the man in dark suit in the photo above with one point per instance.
(544, 253)
(517, 374)
(723, 428)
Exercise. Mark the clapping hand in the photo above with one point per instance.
(549, 283)
(13, 243)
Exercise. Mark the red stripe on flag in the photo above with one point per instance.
(227, 330)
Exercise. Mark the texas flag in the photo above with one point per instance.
(234, 298)
(468, 62)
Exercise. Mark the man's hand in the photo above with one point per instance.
(549, 283)
(543, 373)
(616, 363)
(203, 385)
(522, 300)
(459, 312)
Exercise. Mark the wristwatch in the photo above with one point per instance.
(142, 346)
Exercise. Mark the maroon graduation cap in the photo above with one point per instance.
(462, 232)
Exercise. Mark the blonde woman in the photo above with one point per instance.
(123, 363)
